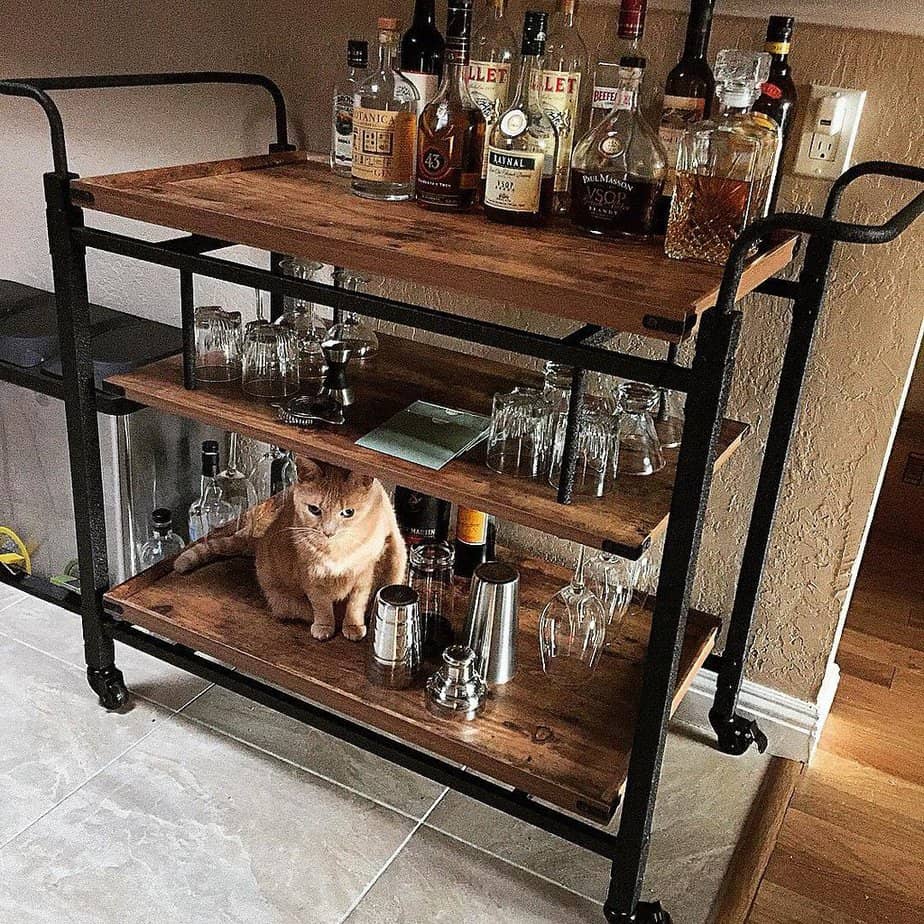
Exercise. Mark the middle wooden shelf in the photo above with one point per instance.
(403, 371)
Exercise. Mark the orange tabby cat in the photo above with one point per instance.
(333, 537)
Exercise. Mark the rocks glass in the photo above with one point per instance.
(517, 438)
(639, 445)
(218, 345)
(597, 449)
(431, 573)
(270, 365)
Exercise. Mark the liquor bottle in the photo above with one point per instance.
(341, 150)
(210, 510)
(490, 68)
(520, 179)
(163, 541)
(385, 126)
(560, 91)
(421, 518)
(422, 52)
(630, 28)
(475, 537)
(724, 166)
(778, 95)
(450, 133)
(617, 170)
(688, 94)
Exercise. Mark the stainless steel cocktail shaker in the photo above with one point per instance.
(491, 627)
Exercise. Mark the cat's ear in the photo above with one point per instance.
(361, 482)
(308, 470)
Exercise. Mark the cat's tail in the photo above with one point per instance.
(225, 542)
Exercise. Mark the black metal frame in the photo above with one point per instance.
(706, 384)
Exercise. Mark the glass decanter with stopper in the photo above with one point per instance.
(618, 168)
(163, 541)
(725, 166)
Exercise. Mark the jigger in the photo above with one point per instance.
(338, 354)
(491, 627)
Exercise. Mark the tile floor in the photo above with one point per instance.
(199, 806)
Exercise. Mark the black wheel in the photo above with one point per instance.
(645, 913)
(109, 686)
(736, 734)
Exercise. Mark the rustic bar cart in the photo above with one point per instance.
(561, 763)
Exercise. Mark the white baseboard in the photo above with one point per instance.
(792, 726)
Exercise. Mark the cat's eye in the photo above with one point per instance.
(346, 514)
(314, 510)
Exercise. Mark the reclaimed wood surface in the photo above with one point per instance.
(286, 203)
(568, 747)
(402, 372)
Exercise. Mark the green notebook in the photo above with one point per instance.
(428, 434)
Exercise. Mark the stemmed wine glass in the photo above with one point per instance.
(572, 631)
(236, 486)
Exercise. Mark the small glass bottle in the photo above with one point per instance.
(450, 133)
(341, 149)
(385, 126)
(210, 510)
(236, 487)
(163, 541)
(520, 179)
(476, 533)
(617, 170)
(630, 28)
(724, 167)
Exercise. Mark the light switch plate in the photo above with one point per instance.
(828, 156)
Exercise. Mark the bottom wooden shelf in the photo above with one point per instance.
(568, 748)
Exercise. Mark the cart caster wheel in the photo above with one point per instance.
(109, 686)
(736, 733)
(645, 913)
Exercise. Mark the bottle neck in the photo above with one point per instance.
(497, 9)
(528, 83)
(206, 484)
(458, 35)
(631, 24)
(627, 89)
(388, 48)
(699, 28)
(567, 10)
(424, 13)
(736, 103)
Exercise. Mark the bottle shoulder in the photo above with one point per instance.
(387, 89)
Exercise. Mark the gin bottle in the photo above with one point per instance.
(630, 28)
(163, 541)
(341, 151)
(210, 510)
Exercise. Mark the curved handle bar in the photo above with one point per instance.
(58, 144)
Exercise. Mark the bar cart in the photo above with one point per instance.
(561, 763)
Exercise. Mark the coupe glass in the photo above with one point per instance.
(352, 329)
(611, 578)
(572, 631)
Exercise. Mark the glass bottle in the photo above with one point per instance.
(422, 52)
(688, 94)
(210, 510)
(476, 533)
(236, 487)
(450, 134)
(489, 71)
(283, 470)
(163, 541)
(385, 126)
(520, 179)
(630, 28)
(724, 166)
(341, 149)
(617, 170)
(778, 96)
(353, 330)
(563, 71)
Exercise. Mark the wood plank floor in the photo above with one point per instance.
(851, 848)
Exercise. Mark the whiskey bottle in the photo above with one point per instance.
(385, 126)
(560, 90)
(475, 539)
(520, 180)
(630, 28)
(778, 95)
(723, 166)
(421, 518)
(210, 510)
(450, 134)
(617, 169)
(341, 150)
(422, 52)
(492, 55)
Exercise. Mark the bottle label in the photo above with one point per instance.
(615, 200)
(607, 98)
(678, 113)
(426, 86)
(383, 145)
(488, 83)
(777, 48)
(343, 130)
(514, 181)
(437, 175)
(471, 526)
(558, 93)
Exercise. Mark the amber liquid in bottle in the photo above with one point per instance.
(602, 207)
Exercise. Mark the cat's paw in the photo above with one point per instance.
(322, 632)
(354, 633)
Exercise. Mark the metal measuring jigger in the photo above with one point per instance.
(491, 626)
(456, 691)
(338, 354)
(395, 650)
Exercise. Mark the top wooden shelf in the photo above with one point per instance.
(288, 204)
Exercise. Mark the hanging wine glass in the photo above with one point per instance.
(299, 315)
(353, 330)
(572, 631)
(236, 486)
(610, 578)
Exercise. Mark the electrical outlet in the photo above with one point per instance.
(822, 147)
(829, 131)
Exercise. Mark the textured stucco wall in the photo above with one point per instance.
(868, 333)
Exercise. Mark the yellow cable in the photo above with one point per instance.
(20, 558)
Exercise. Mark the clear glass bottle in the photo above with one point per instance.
(431, 575)
(210, 509)
(490, 68)
(385, 126)
(341, 148)
(617, 170)
(236, 488)
(563, 70)
(450, 133)
(630, 28)
(725, 166)
(520, 179)
(163, 541)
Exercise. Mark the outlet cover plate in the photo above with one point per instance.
(833, 167)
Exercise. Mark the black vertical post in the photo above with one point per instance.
(188, 316)
(337, 316)
(569, 450)
(276, 298)
(712, 371)
(70, 279)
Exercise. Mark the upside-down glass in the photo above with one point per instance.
(353, 329)
(218, 344)
(596, 450)
(270, 363)
(611, 578)
(299, 315)
(669, 418)
(430, 574)
(517, 438)
(639, 446)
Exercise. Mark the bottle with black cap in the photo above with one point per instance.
(341, 150)
(163, 541)
(210, 510)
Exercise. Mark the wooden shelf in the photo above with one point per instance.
(569, 748)
(404, 371)
(286, 203)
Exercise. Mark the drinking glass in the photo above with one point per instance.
(236, 486)
(270, 365)
(639, 446)
(596, 449)
(517, 438)
(299, 315)
(670, 417)
(611, 578)
(352, 329)
(218, 344)
(431, 573)
(572, 631)
(644, 574)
